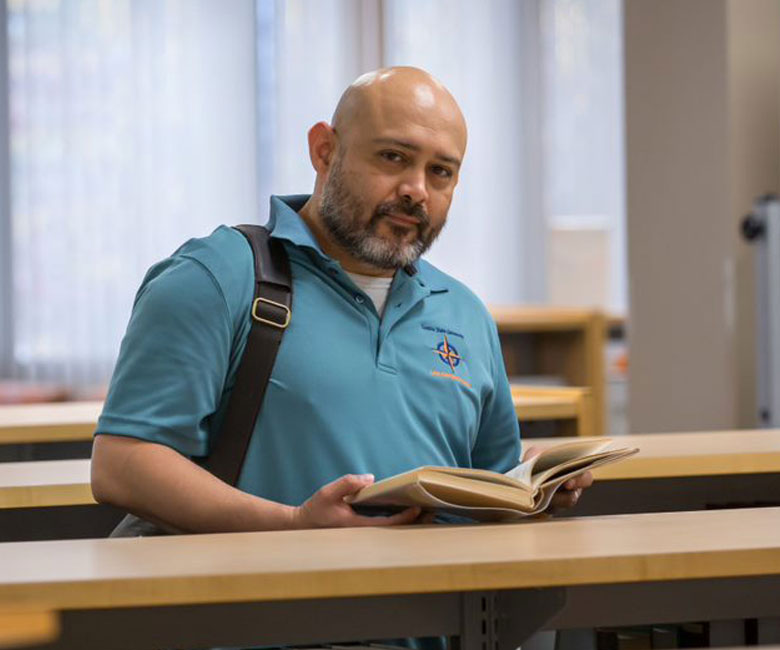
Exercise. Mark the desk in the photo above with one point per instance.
(700, 453)
(572, 406)
(51, 499)
(565, 342)
(54, 422)
(686, 471)
(717, 455)
(76, 421)
(23, 627)
(45, 483)
(347, 584)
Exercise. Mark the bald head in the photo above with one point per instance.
(395, 96)
(387, 167)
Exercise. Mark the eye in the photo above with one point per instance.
(441, 172)
(391, 156)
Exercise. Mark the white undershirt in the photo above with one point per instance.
(374, 287)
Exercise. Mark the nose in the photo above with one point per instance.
(413, 186)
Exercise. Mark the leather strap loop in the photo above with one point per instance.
(272, 302)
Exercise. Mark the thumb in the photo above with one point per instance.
(531, 452)
(347, 484)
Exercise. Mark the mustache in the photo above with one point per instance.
(403, 207)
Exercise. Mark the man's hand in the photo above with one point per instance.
(326, 507)
(569, 493)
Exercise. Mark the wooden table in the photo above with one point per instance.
(571, 407)
(347, 584)
(699, 453)
(76, 421)
(25, 627)
(569, 343)
(52, 422)
(718, 455)
(672, 472)
(45, 483)
(51, 499)
(686, 471)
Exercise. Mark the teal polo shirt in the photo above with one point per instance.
(349, 393)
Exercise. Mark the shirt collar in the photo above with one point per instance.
(284, 222)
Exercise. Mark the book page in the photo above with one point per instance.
(527, 471)
(484, 475)
(559, 454)
(522, 472)
(543, 496)
(579, 465)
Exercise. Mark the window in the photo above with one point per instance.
(134, 125)
(131, 129)
(583, 151)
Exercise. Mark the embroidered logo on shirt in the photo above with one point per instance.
(448, 355)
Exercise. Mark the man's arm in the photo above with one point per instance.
(159, 484)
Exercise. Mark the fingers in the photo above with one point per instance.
(579, 482)
(345, 486)
(408, 516)
(586, 480)
(426, 518)
(565, 499)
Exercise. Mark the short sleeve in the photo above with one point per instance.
(498, 446)
(173, 361)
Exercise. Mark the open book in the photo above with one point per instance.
(488, 496)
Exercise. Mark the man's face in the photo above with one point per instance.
(386, 196)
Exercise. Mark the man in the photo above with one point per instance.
(387, 364)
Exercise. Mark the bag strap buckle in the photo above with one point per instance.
(280, 324)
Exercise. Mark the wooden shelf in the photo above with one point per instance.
(566, 342)
(572, 406)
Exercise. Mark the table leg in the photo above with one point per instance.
(727, 633)
(768, 631)
(504, 620)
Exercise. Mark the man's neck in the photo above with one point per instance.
(310, 214)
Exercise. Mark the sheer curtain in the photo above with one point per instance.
(309, 51)
(583, 150)
(136, 124)
(485, 53)
(132, 128)
(539, 213)
(540, 83)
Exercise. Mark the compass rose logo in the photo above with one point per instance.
(448, 354)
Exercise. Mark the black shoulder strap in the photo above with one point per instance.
(270, 317)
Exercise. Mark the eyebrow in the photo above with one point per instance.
(413, 147)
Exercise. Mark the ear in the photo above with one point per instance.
(322, 146)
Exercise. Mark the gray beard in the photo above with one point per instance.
(341, 212)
